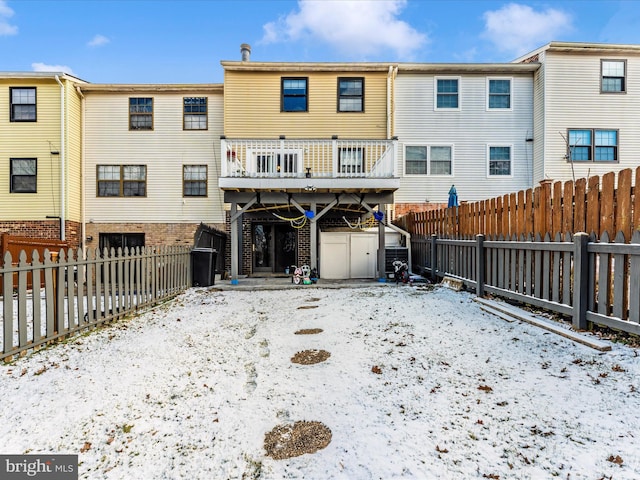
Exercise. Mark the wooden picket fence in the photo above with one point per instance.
(590, 205)
(81, 292)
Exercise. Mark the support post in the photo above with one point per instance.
(480, 265)
(313, 238)
(382, 276)
(580, 280)
(234, 243)
(434, 258)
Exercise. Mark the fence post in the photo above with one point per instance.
(580, 280)
(434, 258)
(480, 265)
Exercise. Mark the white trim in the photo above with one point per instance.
(435, 93)
(489, 109)
(511, 155)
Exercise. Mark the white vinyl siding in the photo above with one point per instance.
(468, 132)
(164, 151)
(574, 102)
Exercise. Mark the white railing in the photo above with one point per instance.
(287, 158)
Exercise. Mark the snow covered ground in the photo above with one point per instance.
(190, 388)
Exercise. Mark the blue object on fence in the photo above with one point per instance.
(378, 215)
(453, 197)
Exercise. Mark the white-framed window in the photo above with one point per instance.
(500, 160)
(276, 163)
(499, 94)
(592, 145)
(434, 160)
(614, 76)
(194, 113)
(351, 160)
(446, 93)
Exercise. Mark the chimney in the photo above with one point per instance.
(245, 50)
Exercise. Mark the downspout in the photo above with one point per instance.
(389, 75)
(83, 204)
(63, 193)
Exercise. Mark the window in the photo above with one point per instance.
(195, 113)
(351, 94)
(415, 160)
(122, 181)
(23, 175)
(593, 145)
(120, 240)
(194, 180)
(294, 95)
(440, 161)
(23, 104)
(351, 160)
(141, 114)
(424, 160)
(499, 161)
(613, 76)
(282, 163)
(447, 95)
(499, 94)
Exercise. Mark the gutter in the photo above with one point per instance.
(63, 166)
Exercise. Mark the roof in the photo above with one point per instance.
(378, 67)
(52, 75)
(582, 47)
(153, 87)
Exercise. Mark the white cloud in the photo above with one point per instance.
(5, 13)
(518, 29)
(356, 27)
(98, 41)
(43, 67)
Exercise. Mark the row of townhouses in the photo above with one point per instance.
(288, 158)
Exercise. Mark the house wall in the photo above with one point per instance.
(164, 151)
(37, 140)
(252, 106)
(469, 131)
(539, 118)
(573, 100)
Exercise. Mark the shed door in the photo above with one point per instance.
(334, 256)
(363, 255)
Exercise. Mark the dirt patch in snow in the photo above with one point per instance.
(287, 441)
(309, 357)
(309, 331)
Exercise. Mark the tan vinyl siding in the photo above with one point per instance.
(468, 131)
(574, 101)
(73, 152)
(31, 140)
(164, 151)
(252, 106)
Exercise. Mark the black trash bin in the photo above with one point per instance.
(203, 266)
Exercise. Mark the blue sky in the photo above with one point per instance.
(163, 41)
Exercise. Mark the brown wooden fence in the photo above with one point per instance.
(14, 245)
(594, 205)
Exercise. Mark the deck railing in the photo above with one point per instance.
(293, 158)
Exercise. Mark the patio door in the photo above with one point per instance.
(274, 247)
